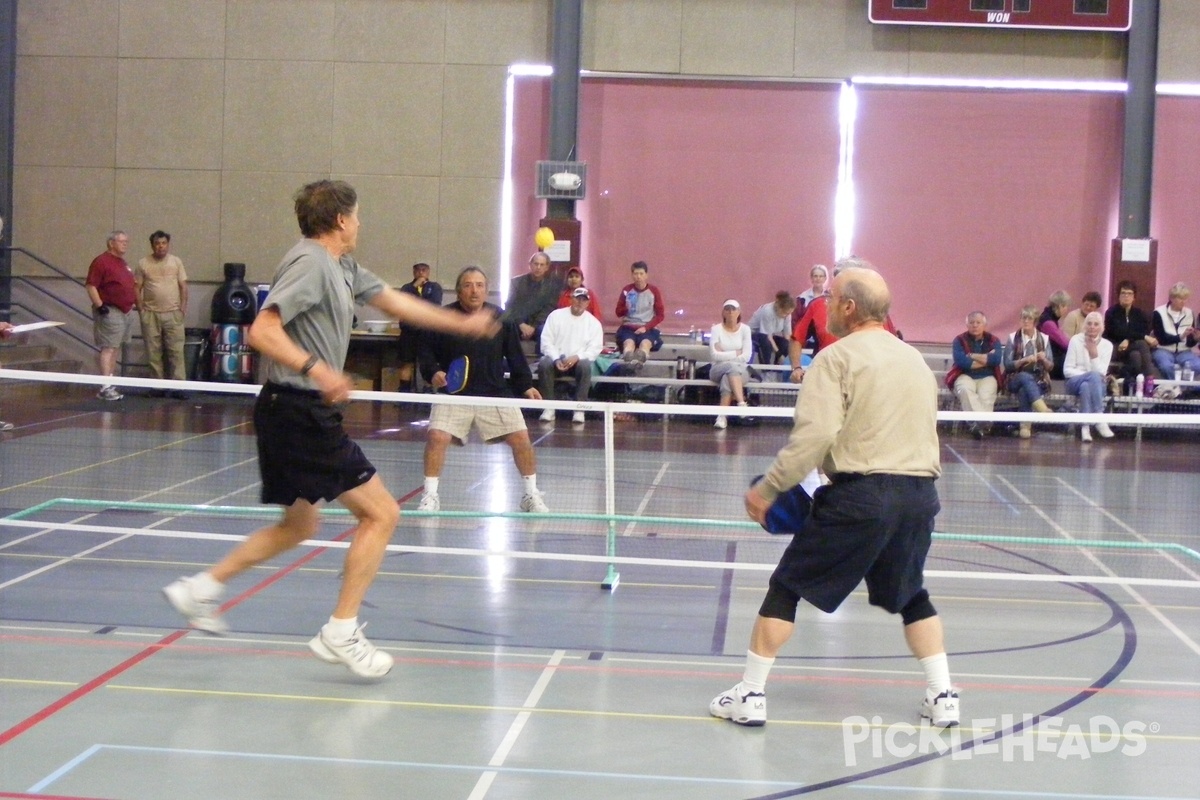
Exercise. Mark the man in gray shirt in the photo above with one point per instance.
(304, 454)
(868, 418)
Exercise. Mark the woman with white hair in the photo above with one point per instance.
(729, 349)
(1086, 368)
(1174, 326)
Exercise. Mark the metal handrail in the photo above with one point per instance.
(60, 331)
(44, 263)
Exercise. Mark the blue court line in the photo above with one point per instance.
(570, 773)
(1018, 793)
(984, 481)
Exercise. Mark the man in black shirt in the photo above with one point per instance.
(488, 360)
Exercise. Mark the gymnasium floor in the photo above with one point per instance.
(520, 677)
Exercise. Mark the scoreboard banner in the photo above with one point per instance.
(1085, 15)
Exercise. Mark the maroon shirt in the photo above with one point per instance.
(113, 280)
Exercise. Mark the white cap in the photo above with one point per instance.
(732, 304)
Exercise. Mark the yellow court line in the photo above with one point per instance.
(33, 682)
(125, 457)
(539, 710)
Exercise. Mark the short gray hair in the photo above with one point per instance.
(974, 314)
(1030, 312)
(114, 234)
(1060, 298)
(870, 304)
(1178, 290)
(851, 262)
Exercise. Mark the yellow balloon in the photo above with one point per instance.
(543, 238)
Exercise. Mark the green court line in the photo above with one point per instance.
(608, 519)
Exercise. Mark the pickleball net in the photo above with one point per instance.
(639, 488)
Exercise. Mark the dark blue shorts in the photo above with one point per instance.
(303, 451)
(872, 527)
(627, 332)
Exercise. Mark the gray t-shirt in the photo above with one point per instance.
(316, 295)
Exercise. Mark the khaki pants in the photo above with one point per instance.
(976, 395)
(164, 332)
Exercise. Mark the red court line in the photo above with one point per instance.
(166, 641)
(46, 796)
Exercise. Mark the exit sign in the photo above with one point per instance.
(1083, 15)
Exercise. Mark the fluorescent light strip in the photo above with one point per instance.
(1175, 89)
(504, 264)
(844, 199)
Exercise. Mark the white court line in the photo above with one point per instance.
(535, 695)
(604, 559)
(1128, 528)
(654, 484)
(129, 532)
(1141, 601)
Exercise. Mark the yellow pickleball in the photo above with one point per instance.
(543, 238)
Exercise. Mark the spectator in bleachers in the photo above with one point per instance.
(1048, 323)
(1072, 323)
(729, 349)
(770, 326)
(1086, 368)
(1128, 328)
(977, 369)
(574, 279)
(1174, 326)
(641, 310)
(531, 297)
(814, 326)
(1028, 360)
(819, 275)
(571, 341)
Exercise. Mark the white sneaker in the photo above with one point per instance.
(357, 653)
(534, 502)
(547, 415)
(6, 426)
(109, 393)
(741, 706)
(578, 418)
(941, 711)
(721, 423)
(430, 502)
(202, 613)
(1085, 433)
(1104, 431)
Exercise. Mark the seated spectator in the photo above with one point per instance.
(1072, 323)
(420, 286)
(1028, 360)
(1048, 324)
(770, 326)
(819, 275)
(975, 378)
(531, 298)
(729, 348)
(574, 279)
(641, 310)
(1088, 356)
(1128, 328)
(571, 341)
(1174, 327)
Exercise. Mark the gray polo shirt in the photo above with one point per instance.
(316, 294)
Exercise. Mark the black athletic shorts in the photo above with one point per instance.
(303, 452)
(876, 527)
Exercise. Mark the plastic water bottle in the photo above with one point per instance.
(1149, 386)
(1139, 389)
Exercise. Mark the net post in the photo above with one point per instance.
(611, 577)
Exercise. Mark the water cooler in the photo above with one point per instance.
(233, 309)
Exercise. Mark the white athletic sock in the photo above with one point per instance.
(205, 585)
(340, 630)
(757, 669)
(530, 482)
(431, 485)
(937, 674)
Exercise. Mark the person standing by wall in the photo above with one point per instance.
(162, 298)
(111, 289)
